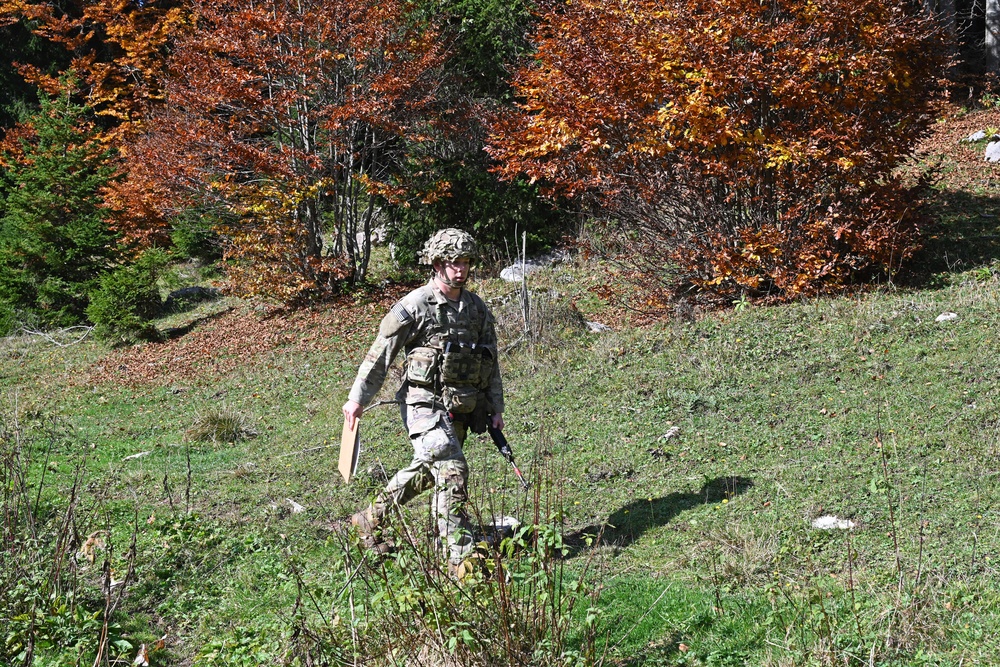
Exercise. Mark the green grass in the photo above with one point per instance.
(863, 407)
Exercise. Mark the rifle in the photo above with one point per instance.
(500, 440)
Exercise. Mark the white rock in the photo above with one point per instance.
(975, 136)
(830, 522)
(296, 508)
(946, 316)
(671, 432)
(515, 272)
(992, 152)
(597, 327)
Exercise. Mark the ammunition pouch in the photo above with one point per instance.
(477, 421)
(457, 374)
(461, 365)
(460, 400)
(421, 366)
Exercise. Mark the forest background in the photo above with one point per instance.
(750, 155)
(694, 156)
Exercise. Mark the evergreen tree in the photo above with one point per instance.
(54, 242)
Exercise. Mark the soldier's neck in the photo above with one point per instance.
(450, 293)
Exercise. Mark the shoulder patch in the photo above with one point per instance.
(401, 313)
(399, 318)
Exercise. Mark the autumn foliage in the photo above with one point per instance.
(289, 124)
(740, 146)
(118, 50)
(118, 56)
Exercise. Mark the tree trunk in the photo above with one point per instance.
(992, 36)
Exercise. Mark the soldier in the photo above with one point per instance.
(451, 385)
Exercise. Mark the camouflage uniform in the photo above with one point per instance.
(452, 381)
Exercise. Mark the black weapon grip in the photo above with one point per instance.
(500, 440)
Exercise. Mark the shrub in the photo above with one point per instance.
(492, 210)
(56, 600)
(746, 146)
(521, 602)
(221, 424)
(193, 236)
(127, 300)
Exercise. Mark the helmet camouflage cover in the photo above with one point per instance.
(449, 244)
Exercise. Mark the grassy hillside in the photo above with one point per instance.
(699, 451)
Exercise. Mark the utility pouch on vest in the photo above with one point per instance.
(460, 365)
(421, 366)
(460, 400)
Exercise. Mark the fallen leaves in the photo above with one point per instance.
(243, 337)
(93, 544)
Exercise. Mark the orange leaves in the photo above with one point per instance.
(290, 121)
(721, 132)
(118, 51)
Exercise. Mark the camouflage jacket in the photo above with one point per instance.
(425, 318)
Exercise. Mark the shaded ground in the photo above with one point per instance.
(628, 523)
(964, 201)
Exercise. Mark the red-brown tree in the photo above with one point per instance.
(745, 147)
(290, 122)
(118, 48)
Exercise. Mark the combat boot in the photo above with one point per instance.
(476, 561)
(367, 522)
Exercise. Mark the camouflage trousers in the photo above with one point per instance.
(438, 463)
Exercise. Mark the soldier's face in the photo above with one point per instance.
(454, 273)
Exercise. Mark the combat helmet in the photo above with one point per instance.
(449, 244)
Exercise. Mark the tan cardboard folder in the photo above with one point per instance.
(350, 447)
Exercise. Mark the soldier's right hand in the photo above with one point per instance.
(352, 413)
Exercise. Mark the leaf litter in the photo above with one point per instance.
(242, 337)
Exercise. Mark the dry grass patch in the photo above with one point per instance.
(221, 424)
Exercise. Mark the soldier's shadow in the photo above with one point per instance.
(627, 524)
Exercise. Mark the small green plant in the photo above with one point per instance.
(123, 307)
(247, 647)
(989, 100)
(221, 424)
(741, 304)
(985, 273)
